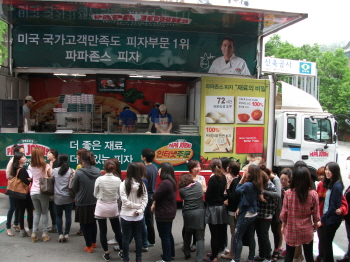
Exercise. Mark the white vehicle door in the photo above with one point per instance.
(318, 146)
(288, 139)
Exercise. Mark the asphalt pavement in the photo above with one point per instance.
(22, 249)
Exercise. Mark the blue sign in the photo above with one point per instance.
(305, 68)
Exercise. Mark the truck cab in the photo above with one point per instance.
(303, 131)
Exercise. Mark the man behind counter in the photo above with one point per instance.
(229, 63)
(128, 120)
(150, 118)
(28, 102)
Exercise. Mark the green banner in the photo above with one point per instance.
(126, 148)
(82, 47)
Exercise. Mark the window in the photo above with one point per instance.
(319, 131)
(291, 122)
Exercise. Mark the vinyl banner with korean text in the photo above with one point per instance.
(134, 49)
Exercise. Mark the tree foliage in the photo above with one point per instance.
(3, 39)
(333, 72)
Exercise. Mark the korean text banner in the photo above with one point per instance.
(176, 150)
(81, 47)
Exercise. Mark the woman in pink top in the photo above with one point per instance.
(300, 216)
(39, 168)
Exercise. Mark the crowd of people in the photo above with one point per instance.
(250, 202)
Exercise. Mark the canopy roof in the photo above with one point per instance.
(187, 16)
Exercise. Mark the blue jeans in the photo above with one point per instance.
(132, 228)
(244, 225)
(262, 227)
(41, 206)
(68, 214)
(144, 234)
(164, 230)
(12, 209)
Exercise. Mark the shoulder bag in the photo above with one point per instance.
(46, 186)
(17, 188)
(70, 183)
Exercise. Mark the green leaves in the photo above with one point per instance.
(333, 73)
(3, 38)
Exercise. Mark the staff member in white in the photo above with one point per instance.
(163, 121)
(229, 63)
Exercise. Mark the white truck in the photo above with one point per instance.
(303, 131)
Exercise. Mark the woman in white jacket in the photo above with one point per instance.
(107, 193)
(134, 201)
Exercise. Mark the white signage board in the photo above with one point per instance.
(289, 67)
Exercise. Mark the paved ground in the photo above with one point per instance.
(22, 249)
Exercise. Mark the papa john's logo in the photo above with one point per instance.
(176, 153)
(28, 145)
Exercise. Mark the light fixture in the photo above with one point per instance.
(153, 76)
(77, 74)
(135, 76)
(64, 74)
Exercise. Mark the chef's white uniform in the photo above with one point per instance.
(236, 66)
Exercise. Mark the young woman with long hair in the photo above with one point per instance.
(233, 201)
(330, 220)
(62, 199)
(118, 237)
(39, 168)
(19, 160)
(52, 156)
(299, 215)
(134, 197)
(164, 206)
(346, 256)
(266, 215)
(143, 174)
(79, 154)
(249, 188)
(194, 168)
(107, 193)
(83, 185)
(216, 214)
(193, 214)
(13, 208)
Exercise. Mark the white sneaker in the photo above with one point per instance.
(112, 241)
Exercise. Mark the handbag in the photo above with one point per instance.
(70, 183)
(17, 188)
(46, 186)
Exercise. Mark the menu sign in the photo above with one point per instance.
(218, 139)
(250, 110)
(219, 109)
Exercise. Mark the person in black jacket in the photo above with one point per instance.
(19, 160)
(233, 201)
(216, 214)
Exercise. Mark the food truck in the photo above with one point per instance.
(83, 62)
